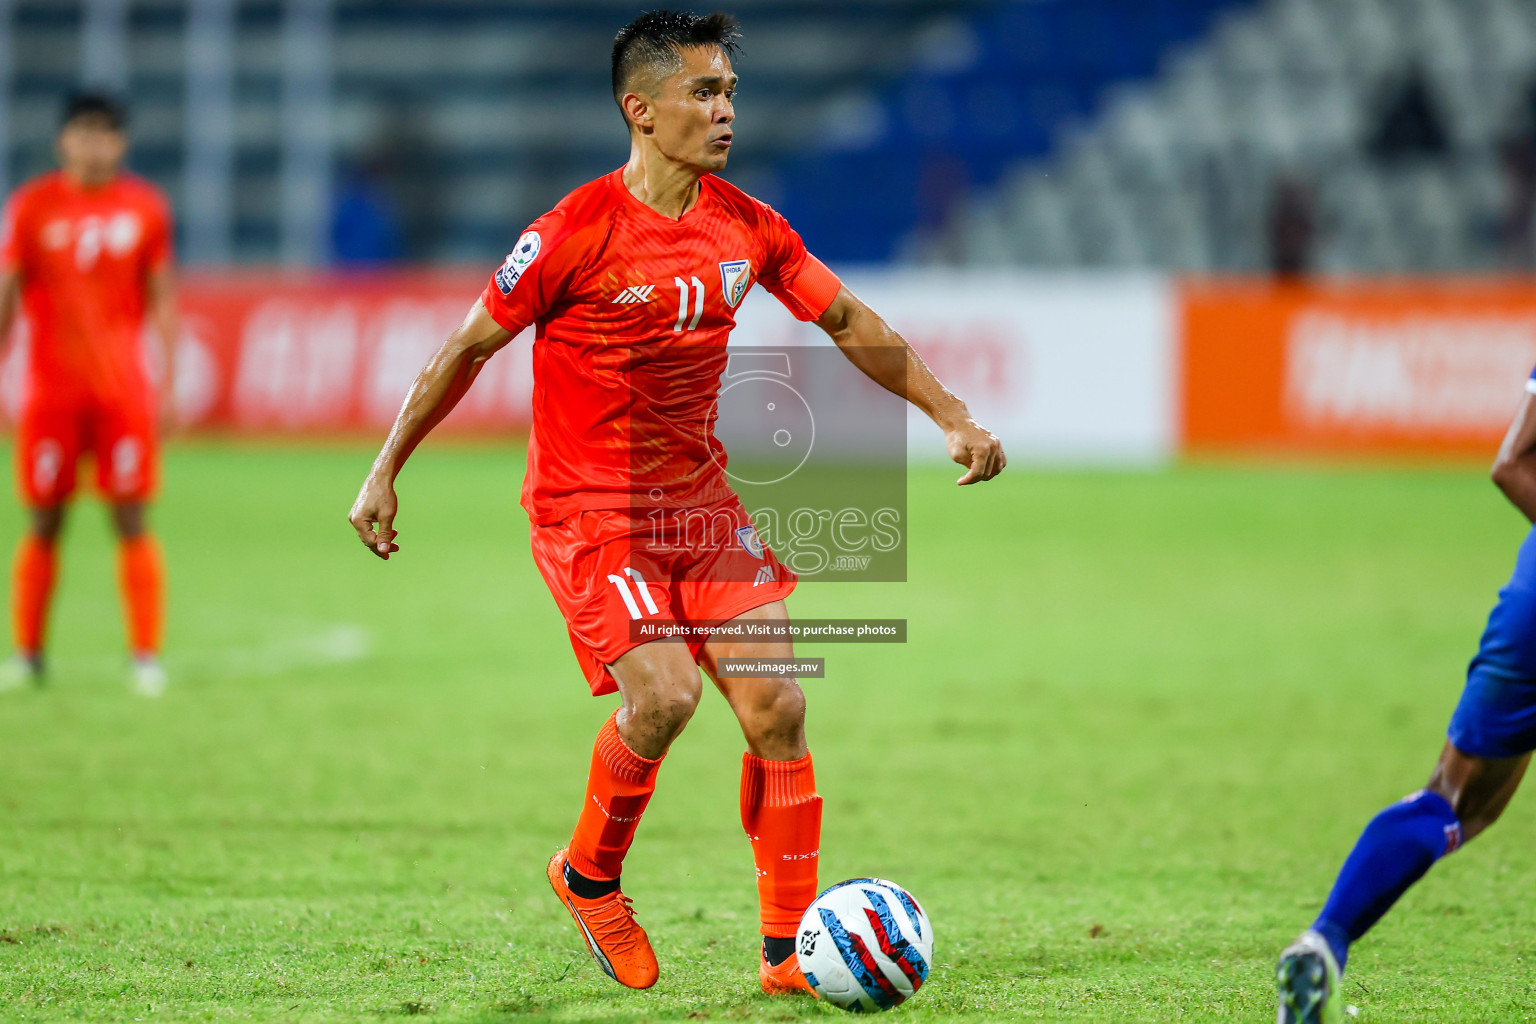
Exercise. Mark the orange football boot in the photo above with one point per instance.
(783, 980)
(616, 940)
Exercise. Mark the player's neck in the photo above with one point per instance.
(667, 187)
(81, 179)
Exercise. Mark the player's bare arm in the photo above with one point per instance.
(885, 358)
(10, 299)
(10, 294)
(166, 317)
(1514, 470)
(434, 393)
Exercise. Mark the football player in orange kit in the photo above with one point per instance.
(633, 281)
(85, 251)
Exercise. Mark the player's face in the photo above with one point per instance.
(91, 149)
(692, 111)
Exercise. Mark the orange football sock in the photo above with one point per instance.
(782, 815)
(619, 786)
(32, 576)
(141, 577)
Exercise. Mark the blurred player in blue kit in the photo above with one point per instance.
(1488, 745)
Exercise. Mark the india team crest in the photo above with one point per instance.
(735, 276)
(750, 540)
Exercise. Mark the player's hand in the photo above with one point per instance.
(978, 449)
(373, 517)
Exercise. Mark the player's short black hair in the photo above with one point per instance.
(95, 104)
(654, 39)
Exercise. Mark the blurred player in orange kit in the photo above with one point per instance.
(633, 281)
(86, 253)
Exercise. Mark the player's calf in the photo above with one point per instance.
(1396, 849)
(1465, 795)
(781, 813)
(620, 782)
(33, 575)
(586, 874)
(46, 523)
(1477, 788)
(771, 713)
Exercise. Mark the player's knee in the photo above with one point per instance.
(128, 519)
(787, 706)
(667, 702)
(1504, 472)
(777, 708)
(47, 523)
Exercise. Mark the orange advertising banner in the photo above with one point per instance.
(275, 354)
(1360, 368)
(270, 353)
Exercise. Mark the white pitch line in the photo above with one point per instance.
(335, 645)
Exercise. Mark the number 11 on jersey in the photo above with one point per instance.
(683, 290)
(629, 599)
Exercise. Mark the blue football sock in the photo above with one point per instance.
(1393, 852)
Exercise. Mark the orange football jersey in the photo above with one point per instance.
(83, 256)
(633, 311)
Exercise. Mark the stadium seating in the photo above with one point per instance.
(986, 90)
(1177, 172)
(1058, 133)
(483, 112)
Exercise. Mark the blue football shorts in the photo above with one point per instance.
(1496, 716)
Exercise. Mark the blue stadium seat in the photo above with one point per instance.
(1043, 64)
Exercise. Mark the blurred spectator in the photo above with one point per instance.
(366, 229)
(1410, 125)
(387, 196)
(1517, 161)
(1292, 227)
(943, 184)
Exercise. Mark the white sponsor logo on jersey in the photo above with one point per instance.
(735, 275)
(764, 575)
(122, 233)
(56, 234)
(635, 293)
(522, 254)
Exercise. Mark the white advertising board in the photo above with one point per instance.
(1064, 368)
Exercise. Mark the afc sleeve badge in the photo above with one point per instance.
(522, 254)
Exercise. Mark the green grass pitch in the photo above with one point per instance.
(1139, 721)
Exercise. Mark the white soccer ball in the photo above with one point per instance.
(865, 945)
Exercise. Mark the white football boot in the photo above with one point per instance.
(1310, 983)
(147, 677)
(18, 672)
